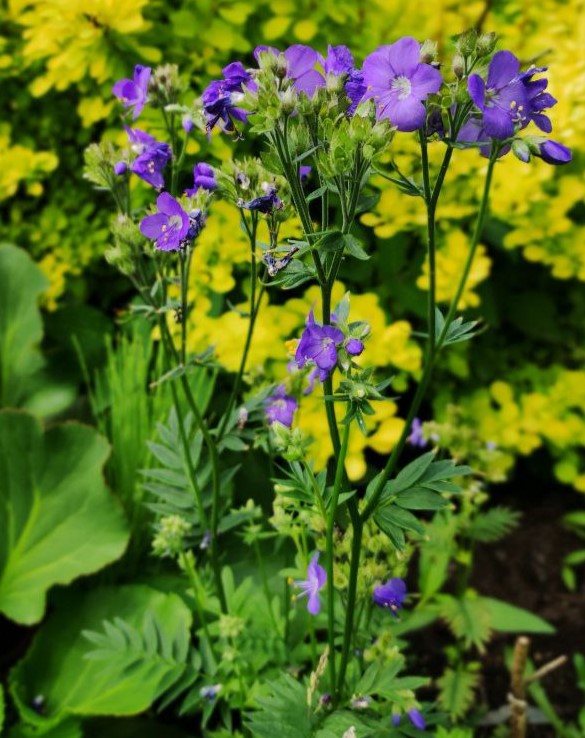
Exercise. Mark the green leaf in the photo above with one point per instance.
(57, 517)
(57, 667)
(401, 518)
(21, 328)
(411, 473)
(283, 712)
(457, 691)
(419, 498)
(508, 618)
(70, 728)
(330, 242)
(354, 248)
(469, 619)
(493, 524)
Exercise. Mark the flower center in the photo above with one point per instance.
(402, 85)
(175, 221)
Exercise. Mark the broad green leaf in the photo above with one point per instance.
(57, 667)
(70, 728)
(21, 328)
(57, 518)
(283, 712)
(511, 619)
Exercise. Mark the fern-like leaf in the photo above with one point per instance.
(456, 691)
(468, 618)
(493, 525)
(283, 712)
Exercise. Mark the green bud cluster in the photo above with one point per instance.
(169, 540)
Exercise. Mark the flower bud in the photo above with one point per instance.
(429, 52)
(289, 101)
(458, 66)
(467, 42)
(486, 43)
(521, 150)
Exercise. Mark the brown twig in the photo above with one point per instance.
(517, 698)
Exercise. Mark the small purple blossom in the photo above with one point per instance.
(319, 344)
(416, 437)
(300, 68)
(416, 718)
(280, 407)
(304, 173)
(355, 89)
(133, 93)
(553, 152)
(203, 179)
(399, 83)
(265, 203)
(169, 227)
(205, 541)
(152, 157)
(503, 98)
(221, 98)
(354, 346)
(316, 579)
(120, 167)
(537, 99)
(390, 595)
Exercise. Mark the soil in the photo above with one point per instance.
(524, 569)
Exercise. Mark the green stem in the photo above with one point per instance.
(356, 546)
(429, 364)
(431, 247)
(254, 309)
(339, 476)
(196, 586)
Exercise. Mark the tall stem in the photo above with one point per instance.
(253, 314)
(339, 475)
(429, 364)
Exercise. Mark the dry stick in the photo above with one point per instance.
(546, 669)
(517, 697)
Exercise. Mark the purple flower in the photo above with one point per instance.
(133, 92)
(396, 719)
(416, 719)
(553, 152)
(416, 437)
(503, 98)
(280, 407)
(221, 97)
(399, 83)
(304, 173)
(319, 344)
(316, 579)
(169, 227)
(339, 61)
(265, 203)
(391, 595)
(120, 167)
(354, 346)
(300, 68)
(355, 89)
(196, 224)
(537, 99)
(153, 156)
(203, 179)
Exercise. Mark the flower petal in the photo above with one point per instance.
(309, 82)
(425, 81)
(404, 56)
(406, 115)
(299, 59)
(497, 123)
(151, 226)
(476, 89)
(504, 66)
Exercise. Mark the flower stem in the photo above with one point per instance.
(429, 364)
(253, 310)
(339, 476)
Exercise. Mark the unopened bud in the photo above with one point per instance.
(486, 43)
(458, 66)
(467, 42)
(429, 52)
(289, 101)
(521, 150)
